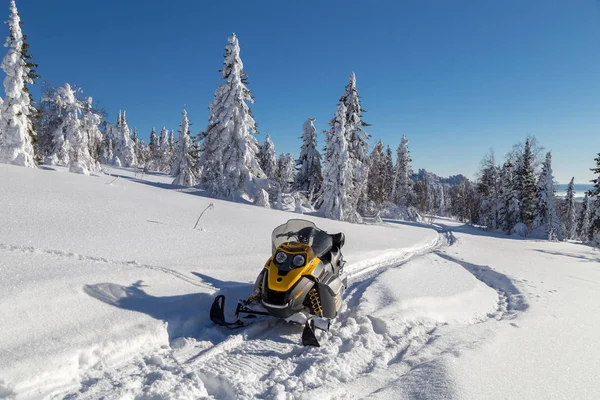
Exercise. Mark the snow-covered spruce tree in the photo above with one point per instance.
(124, 145)
(525, 184)
(546, 214)
(335, 203)
(390, 181)
(163, 163)
(267, 158)
(430, 187)
(465, 205)
(171, 150)
(286, 172)
(111, 133)
(47, 122)
(594, 229)
(583, 222)
(403, 193)
(138, 149)
(488, 187)
(309, 177)
(175, 164)
(16, 124)
(508, 210)
(570, 212)
(142, 154)
(229, 159)
(77, 144)
(377, 186)
(29, 78)
(108, 154)
(74, 133)
(358, 146)
(51, 144)
(90, 123)
(154, 152)
(135, 139)
(441, 200)
(186, 156)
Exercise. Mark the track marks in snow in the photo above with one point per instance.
(103, 260)
(512, 300)
(155, 376)
(368, 268)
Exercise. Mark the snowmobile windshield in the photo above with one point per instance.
(299, 230)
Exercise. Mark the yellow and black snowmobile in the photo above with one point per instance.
(304, 276)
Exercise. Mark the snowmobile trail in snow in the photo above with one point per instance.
(255, 363)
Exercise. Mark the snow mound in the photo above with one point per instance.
(429, 289)
(520, 230)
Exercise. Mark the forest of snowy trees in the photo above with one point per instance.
(519, 197)
(349, 179)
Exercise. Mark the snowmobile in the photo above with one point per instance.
(303, 277)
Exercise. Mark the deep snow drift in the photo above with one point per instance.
(106, 289)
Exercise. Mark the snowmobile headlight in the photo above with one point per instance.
(299, 260)
(281, 257)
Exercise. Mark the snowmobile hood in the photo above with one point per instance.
(282, 277)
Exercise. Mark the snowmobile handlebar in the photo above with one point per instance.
(286, 234)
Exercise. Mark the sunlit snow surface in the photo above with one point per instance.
(105, 290)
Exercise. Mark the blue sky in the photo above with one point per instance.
(457, 77)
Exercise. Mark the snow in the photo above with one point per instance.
(107, 286)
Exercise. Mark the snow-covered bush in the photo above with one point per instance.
(393, 211)
(520, 229)
(261, 198)
(298, 209)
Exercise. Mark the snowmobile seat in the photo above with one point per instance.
(338, 240)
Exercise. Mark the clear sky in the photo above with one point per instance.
(457, 77)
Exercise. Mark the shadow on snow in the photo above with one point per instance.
(186, 315)
(580, 257)
(183, 189)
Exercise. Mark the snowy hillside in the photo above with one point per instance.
(106, 289)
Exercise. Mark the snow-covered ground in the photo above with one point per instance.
(106, 289)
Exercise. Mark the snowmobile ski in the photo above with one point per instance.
(217, 314)
(309, 338)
